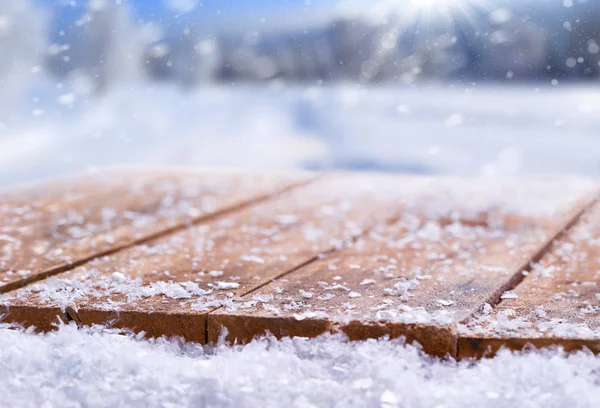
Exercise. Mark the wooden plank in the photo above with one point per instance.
(47, 229)
(34, 202)
(455, 245)
(441, 262)
(558, 302)
(167, 286)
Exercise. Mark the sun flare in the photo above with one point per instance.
(444, 12)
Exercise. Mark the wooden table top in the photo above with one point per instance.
(461, 266)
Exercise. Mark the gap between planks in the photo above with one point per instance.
(519, 276)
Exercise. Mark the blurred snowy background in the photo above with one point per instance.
(472, 87)
(425, 86)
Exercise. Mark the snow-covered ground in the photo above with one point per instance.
(424, 129)
(97, 368)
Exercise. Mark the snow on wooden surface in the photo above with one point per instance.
(368, 255)
(46, 228)
(417, 277)
(557, 302)
(167, 285)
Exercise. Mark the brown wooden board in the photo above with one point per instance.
(35, 203)
(46, 228)
(168, 285)
(558, 302)
(437, 250)
(449, 254)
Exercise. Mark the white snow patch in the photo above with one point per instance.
(267, 128)
(509, 294)
(252, 258)
(227, 285)
(59, 369)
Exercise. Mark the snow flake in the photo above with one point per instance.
(509, 294)
(388, 399)
(118, 277)
(252, 258)
(215, 273)
(227, 285)
(305, 294)
(367, 281)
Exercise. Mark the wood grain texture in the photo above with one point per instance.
(45, 229)
(558, 302)
(177, 278)
(416, 278)
(366, 255)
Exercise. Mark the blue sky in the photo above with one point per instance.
(221, 15)
(213, 13)
(157, 8)
(241, 7)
